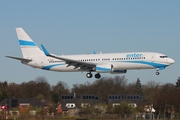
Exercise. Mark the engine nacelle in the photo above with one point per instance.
(109, 68)
(116, 70)
(104, 68)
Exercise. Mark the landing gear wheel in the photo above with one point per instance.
(97, 75)
(157, 73)
(89, 75)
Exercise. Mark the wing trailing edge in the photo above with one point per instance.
(88, 66)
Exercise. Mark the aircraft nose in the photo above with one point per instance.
(171, 61)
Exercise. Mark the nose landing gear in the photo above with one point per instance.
(157, 73)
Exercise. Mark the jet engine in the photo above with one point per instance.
(109, 68)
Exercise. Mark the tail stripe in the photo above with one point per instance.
(26, 43)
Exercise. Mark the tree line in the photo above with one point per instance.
(164, 97)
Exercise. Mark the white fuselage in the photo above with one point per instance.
(121, 61)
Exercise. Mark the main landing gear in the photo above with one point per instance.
(97, 75)
(89, 75)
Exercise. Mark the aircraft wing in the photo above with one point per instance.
(84, 66)
(21, 59)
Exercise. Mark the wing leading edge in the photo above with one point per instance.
(84, 66)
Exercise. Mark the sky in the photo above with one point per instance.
(83, 26)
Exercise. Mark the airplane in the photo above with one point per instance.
(113, 63)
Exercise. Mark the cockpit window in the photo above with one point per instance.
(163, 56)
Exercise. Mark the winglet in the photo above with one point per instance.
(45, 51)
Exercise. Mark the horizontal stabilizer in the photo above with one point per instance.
(21, 59)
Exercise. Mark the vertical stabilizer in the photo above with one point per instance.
(28, 46)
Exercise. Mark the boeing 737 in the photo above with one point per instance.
(113, 63)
